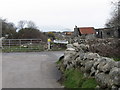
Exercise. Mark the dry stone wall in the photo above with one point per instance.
(105, 70)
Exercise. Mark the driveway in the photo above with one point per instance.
(30, 70)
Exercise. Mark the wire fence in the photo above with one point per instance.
(22, 45)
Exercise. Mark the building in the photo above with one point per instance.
(84, 32)
(90, 32)
(107, 33)
(68, 33)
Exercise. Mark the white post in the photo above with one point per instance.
(31, 43)
(9, 44)
(20, 43)
(48, 45)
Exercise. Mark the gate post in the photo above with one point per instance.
(31, 44)
(9, 44)
(20, 43)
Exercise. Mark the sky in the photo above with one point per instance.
(57, 14)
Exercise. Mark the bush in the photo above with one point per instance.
(105, 47)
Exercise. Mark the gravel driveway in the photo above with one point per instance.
(30, 70)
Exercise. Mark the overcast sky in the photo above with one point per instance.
(57, 13)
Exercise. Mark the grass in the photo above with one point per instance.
(89, 83)
(117, 59)
(33, 48)
(23, 49)
(72, 78)
(58, 62)
(75, 79)
(58, 47)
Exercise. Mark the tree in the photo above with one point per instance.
(0, 28)
(30, 33)
(8, 29)
(26, 24)
(114, 22)
(31, 24)
(21, 24)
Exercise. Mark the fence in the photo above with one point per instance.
(22, 45)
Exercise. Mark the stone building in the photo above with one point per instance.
(84, 32)
(107, 33)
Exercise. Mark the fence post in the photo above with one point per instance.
(9, 44)
(31, 43)
(20, 43)
(39, 41)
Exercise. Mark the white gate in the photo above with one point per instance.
(9, 45)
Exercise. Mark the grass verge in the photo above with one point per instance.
(74, 78)
(23, 49)
(117, 59)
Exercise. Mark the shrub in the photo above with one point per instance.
(105, 47)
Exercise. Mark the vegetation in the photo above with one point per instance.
(23, 49)
(114, 21)
(26, 30)
(58, 62)
(105, 47)
(31, 33)
(117, 59)
(58, 46)
(73, 78)
(8, 29)
(51, 35)
(89, 83)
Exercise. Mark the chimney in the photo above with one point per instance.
(75, 26)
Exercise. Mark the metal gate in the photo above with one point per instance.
(22, 45)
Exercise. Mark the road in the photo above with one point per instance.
(30, 70)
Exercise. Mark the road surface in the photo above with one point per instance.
(30, 70)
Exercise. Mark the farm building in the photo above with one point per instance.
(84, 32)
(107, 33)
(90, 32)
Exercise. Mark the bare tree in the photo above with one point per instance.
(0, 28)
(21, 24)
(114, 22)
(31, 24)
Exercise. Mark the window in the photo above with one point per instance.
(108, 33)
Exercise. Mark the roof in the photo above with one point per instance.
(103, 29)
(87, 30)
(69, 33)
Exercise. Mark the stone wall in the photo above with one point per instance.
(105, 70)
(105, 47)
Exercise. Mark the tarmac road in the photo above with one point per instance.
(30, 70)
